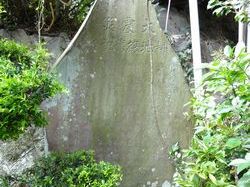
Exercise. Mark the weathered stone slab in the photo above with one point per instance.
(126, 93)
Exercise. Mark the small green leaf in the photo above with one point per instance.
(212, 178)
(218, 11)
(241, 164)
(233, 143)
(244, 180)
(228, 51)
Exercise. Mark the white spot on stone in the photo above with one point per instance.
(174, 60)
(166, 184)
(92, 75)
(164, 135)
(88, 113)
(148, 183)
(178, 155)
(82, 95)
(154, 184)
(153, 170)
(70, 119)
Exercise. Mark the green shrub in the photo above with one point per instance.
(78, 169)
(24, 84)
(222, 115)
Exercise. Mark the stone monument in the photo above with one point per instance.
(126, 93)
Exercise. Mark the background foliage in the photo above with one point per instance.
(238, 7)
(24, 84)
(58, 15)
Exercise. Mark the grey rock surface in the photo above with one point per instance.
(16, 156)
(55, 45)
(178, 32)
(212, 36)
(126, 94)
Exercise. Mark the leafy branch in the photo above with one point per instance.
(237, 7)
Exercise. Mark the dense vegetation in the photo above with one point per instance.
(220, 147)
(56, 15)
(219, 154)
(24, 83)
(77, 169)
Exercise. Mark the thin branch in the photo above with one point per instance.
(53, 17)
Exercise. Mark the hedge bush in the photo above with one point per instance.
(24, 84)
(77, 169)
